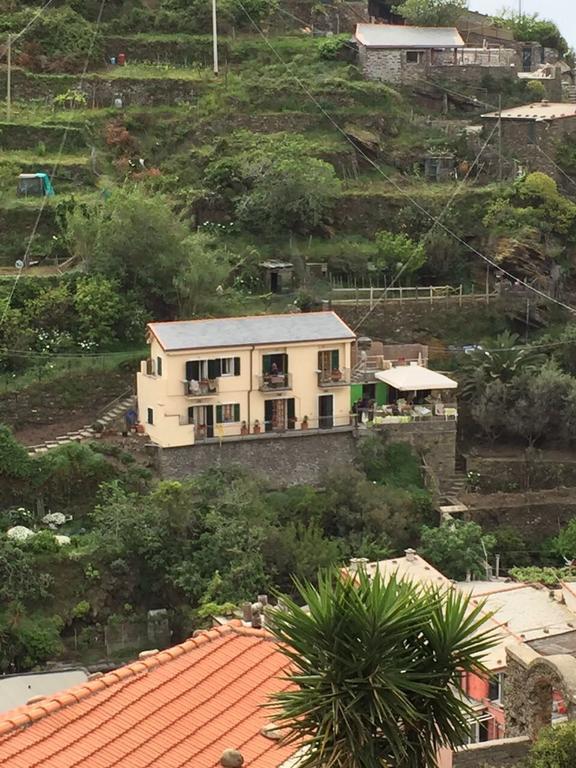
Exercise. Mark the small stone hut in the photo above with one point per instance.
(399, 54)
(530, 133)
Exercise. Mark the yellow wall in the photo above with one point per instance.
(166, 394)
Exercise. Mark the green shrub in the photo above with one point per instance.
(331, 47)
(555, 747)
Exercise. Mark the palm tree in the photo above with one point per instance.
(376, 667)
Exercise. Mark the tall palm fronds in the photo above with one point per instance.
(377, 666)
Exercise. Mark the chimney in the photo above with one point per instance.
(410, 555)
(231, 758)
(256, 611)
(247, 612)
(358, 564)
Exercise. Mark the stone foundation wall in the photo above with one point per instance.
(286, 459)
(381, 64)
(506, 753)
(295, 458)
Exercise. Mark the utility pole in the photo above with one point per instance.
(9, 80)
(214, 37)
(500, 165)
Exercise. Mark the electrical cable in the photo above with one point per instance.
(54, 167)
(432, 228)
(396, 186)
(36, 16)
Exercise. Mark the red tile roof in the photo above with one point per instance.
(180, 708)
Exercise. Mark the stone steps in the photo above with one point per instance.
(86, 432)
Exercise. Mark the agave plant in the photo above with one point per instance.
(375, 670)
(501, 359)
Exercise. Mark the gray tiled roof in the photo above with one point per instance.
(397, 36)
(245, 331)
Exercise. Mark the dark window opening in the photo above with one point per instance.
(150, 416)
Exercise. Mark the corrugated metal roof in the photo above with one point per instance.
(397, 36)
(541, 110)
(246, 331)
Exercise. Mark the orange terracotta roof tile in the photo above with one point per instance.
(180, 708)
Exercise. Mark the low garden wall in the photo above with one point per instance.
(101, 91)
(533, 471)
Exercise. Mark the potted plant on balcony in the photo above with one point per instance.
(257, 428)
(304, 424)
(244, 429)
(336, 374)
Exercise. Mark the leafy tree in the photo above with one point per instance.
(398, 252)
(536, 90)
(14, 460)
(20, 579)
(27, 641)
(490, 407)
(512, 547)
(543, 403)
(555, 747)
(456, 548)
(376, 670)
(134, 239)
(431, 13)
(390, 463)
(566, 541)
(530, 27)
(99, 307)
(201, 274)
(287, 193)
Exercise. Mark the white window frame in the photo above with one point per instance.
(227, 366)
(500, 678)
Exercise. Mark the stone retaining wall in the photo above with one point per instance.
(524, 473)
(506, 753)
(101, 91)
(295, 458)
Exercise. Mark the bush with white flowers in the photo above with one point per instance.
(54, 519)
(19, 533)
(62, 540)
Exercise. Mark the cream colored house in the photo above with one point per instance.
(245, 375)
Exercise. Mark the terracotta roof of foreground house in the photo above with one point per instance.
(179, 708)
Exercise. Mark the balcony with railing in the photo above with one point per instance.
(338, 377)
(275, 382)
(202, 388)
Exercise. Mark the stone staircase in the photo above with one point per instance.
(114, 411)
(569, 93)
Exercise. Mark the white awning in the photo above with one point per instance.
(413, 378)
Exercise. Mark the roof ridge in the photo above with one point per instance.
(30, 713)
(265, 315)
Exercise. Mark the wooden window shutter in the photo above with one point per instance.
(218, 414)
(237, 412)
(193, 370)
(236, 366)
(335, 359)
(214, 368)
